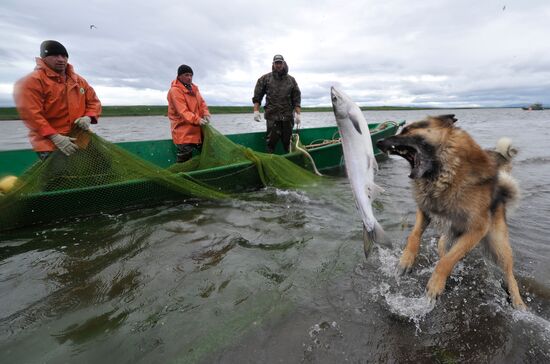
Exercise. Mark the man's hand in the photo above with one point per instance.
(64, 143)
(297, 119)
(257, 116)
(204, 121)
(83, 122)
(207, 118)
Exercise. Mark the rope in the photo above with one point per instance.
(322, 142)
(304, 152)
(384, 125)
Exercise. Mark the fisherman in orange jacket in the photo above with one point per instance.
(52, 98)
(187, 111)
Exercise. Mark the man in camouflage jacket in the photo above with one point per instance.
(282, 104)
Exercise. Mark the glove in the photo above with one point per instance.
(297, 119)
(207, 118)
(83, 122)
(203, 121)
(257, 116)
(64, 143)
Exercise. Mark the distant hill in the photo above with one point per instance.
(10, 113)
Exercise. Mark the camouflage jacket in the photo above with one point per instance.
(282, 95)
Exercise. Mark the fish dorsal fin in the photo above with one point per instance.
(374, 190)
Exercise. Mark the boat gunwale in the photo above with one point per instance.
(196, 173)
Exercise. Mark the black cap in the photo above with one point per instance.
(52, 48)
(278, 58)
(184, 69)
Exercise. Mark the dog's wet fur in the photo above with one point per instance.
(462, 188)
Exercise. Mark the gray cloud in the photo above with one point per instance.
(448, 53)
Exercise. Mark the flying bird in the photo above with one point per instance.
(504, 8)
(92, 26)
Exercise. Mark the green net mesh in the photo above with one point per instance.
(99, 162)
(274, 170)
(103, 177)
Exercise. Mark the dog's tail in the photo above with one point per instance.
(503, 154)
(505, 149)
(508, 190)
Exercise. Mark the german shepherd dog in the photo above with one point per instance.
(462, 188)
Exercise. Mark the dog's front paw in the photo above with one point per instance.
(518, 304)
(405, 263)
(435, 286)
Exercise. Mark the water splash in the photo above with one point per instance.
(537, 324)
(388, 261)
(410, 305)
(292, 195)
(413, 309)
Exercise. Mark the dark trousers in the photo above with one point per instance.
(185, 151)
(279, 130)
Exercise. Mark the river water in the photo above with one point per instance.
(275, 276)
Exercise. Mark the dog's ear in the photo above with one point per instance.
(447, 120)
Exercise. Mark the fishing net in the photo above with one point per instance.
(274, 170)
(102, 177)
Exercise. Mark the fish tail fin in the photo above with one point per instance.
(376, 235)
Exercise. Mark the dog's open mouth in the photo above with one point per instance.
(418, 160)
(406, 152)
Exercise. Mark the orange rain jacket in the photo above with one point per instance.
(49, 106)
(185, 110)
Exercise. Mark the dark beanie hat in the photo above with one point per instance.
(52, 48)
(184, 69)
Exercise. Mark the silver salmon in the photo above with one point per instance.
(360, 163)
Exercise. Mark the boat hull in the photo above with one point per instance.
(49, 206)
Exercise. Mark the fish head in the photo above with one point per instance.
(419, 143)
(347, 113)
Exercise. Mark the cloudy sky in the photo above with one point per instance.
(392, 52)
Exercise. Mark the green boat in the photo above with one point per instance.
(537, 106)
(322, 145)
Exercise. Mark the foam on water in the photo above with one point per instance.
(322, 335)
(294, 195)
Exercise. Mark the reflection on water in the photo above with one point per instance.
(277, 276)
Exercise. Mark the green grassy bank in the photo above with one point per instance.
(10, 113)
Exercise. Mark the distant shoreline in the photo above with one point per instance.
(10, 113)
